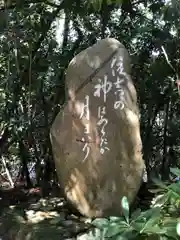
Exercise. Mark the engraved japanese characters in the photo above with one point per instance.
(96, 138)
(103, 87)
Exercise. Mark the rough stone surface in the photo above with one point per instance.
(96, 136)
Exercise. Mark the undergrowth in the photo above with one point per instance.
(161, 221)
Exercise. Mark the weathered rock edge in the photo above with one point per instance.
(95, 185)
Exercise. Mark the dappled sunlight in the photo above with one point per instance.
(95, 176)
(78, 144)
(45, 218)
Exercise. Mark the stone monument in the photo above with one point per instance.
(96, 136)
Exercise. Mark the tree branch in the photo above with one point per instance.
(3, 138)
(24, 75)
(167, 59)
(35, 48)
(60, 90)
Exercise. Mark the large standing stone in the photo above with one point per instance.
(96, 137)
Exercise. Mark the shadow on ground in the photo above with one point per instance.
(28, 216)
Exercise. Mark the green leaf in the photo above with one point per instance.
(157, 190)
(175, 187)
(115, 229)
(160, 200)
(146, 220)
(115, 219)
(170, 226)
(178, 228)
(125, 208)
(136, 214)
(138, 226)
(154, 229)
(149, 213)
(175, 171)
(100, 222)
(159, 183)
(130, 234)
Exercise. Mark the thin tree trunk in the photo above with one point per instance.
(24, 160)
(7, 172)
(147, 139)
(165, 142)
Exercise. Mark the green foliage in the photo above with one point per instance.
(155, 223)
(33, 62)
(169, 200)
(125, 208)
